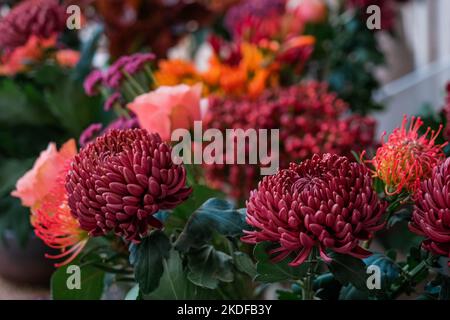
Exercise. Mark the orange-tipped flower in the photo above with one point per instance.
(407, 157)
(56, 226)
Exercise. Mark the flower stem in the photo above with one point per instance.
(410, 276)
(308, 290)
(134, 83)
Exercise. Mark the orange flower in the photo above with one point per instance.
(67, 58)
(258, 83)
(176, 71)
(37, 183)
(406, 157)
(252, 57)
(20, 58)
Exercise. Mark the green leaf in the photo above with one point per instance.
(347, 269)
(274, 272)
(349, 292)
(199, 196)
(10, 171)
(88, 51)
(15, 217)
(215, 215)
(92, 284)
(17, 109)
(147, 258)
(174, 284)
(207, 267)
(244, 263)
(74, 114)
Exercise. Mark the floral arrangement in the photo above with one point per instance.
(142, 221)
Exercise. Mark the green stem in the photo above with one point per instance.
(134, 83)
(308, 281)
(409, 277)
(150, 74)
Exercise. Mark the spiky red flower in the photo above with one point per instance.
(119, 181)
(55, 225)
(41, 18)
(326, 202)
(407, 157)
(431, 215)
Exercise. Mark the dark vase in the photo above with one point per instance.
(24, 263)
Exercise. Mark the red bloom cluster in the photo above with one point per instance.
(431, 216)
(326, 202)
(41, 18)
(310, 119)
(118, 182)
(255, 19)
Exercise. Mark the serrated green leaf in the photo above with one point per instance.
(207, 267)
(215, 215)
(174, 284)
(147, 258)
(244, 263)
(268, 271)
(92, 284)
(347, 269)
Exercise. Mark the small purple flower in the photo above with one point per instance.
(112, 100)
(130, 64)
(90, 133)
(137, 62)
(114, 75)
(92, 81)
(123, 123)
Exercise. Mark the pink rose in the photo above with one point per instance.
(38, 182)
(168, 108)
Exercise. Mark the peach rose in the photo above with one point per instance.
(168, 108)
(38, 182)
(67, 58)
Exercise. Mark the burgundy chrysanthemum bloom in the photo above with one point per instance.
(41, 18)
(92, 82)
(119, 181)
(431, 215)
(326, 202)
(311, 119)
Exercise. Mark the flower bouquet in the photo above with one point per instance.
(175, 196)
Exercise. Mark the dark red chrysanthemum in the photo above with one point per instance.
(311, 119)
(41, 18)
(119, 181)
(431, 215)
(326, 202)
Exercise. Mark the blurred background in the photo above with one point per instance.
(404, 68)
